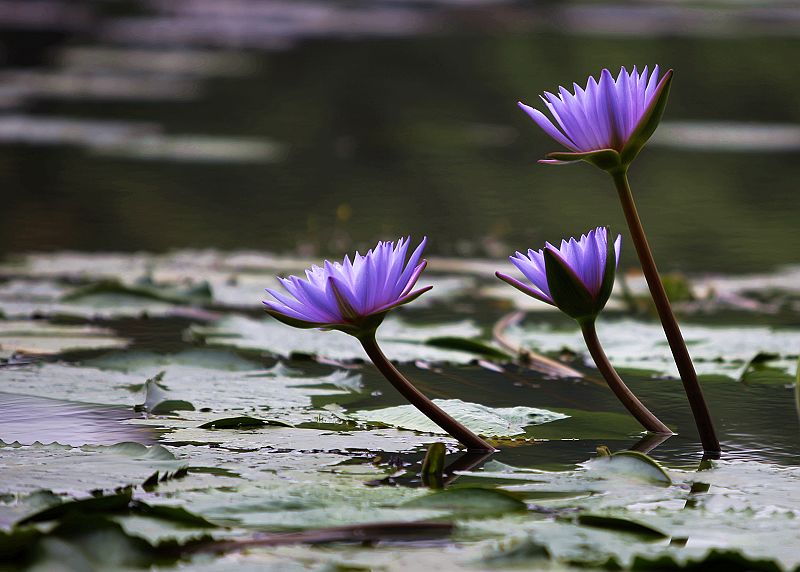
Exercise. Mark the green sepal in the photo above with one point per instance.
(649, 121)
(606, 159)
(567, 290)
(294, 322)
(366, 326)
(609, 273)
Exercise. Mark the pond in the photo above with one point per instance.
(164, 161)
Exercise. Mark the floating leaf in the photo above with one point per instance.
(157, 400)
(631, 344)
(175, 514)
(582, 424)
(197, 294)
(108, 504)
(632, 464)
(727, 560)
(620, 524)
(243, 422)
(399, 340)
(467, 345)
(483, 420)
(470, 501)
(42, 338)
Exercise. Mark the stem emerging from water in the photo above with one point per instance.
(414, 396)
(702, 417)
(625, 395)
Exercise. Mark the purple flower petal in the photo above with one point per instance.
(601, 116)
(343, 293)
(586, 258)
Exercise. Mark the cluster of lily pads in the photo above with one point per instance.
(605, 124)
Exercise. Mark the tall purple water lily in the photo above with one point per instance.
(577, 277)
(606, 123)
(354, 297)
(351, 296)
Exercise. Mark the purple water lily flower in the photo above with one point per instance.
(351, 296)
(354, 297)
(577, 277)
(607, 122)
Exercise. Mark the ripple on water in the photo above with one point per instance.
(26, 419)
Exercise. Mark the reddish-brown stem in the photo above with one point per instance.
(680, 353)
(625, 395)
(414, 396)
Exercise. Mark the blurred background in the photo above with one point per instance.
(314, 127)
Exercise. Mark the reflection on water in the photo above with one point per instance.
(26, 419)
(345, 122)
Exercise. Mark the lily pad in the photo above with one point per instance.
(483, 420)
(158, 401)
(470, 501)
(42, 338)
(642, 346)
(243, 422)
(400, 341)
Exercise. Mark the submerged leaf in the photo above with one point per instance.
(433, 466)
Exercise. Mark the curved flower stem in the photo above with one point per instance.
(625, 395)
(683, 360)
(414, 396)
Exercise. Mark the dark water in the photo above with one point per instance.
(321, 127)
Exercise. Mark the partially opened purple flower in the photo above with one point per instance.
(607, 122)
(577, 277)
(351, 296)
